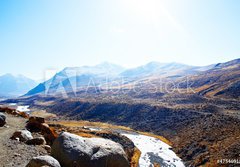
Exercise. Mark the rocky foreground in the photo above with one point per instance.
(31, 142)
(15, 153)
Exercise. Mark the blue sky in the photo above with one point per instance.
(37, 35)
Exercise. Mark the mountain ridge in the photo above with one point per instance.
(13, 86)
(98, 73)
(88, 76)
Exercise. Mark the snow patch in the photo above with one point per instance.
(23, 108)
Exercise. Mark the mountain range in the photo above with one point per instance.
(74, 78)
(220, 79)
(216, 78)
(12, 86)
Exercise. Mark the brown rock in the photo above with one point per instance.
(37, 120)
(49, 134)
(34, 124)
(37, 124)
(36, 141)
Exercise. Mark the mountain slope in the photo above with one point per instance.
(11, 86)
(71, 79)
(222, 80)
(156, 68)
(103, 69)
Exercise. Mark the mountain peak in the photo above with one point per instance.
(154, 63)
(105, 63)
(11, 85)
(7, 75)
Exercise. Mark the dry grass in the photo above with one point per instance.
(204, 87)
(42, 113)
(91, 124)
(106, 126)
(87, 135)
(44, 103)
(135, 158)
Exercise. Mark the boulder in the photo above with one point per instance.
(37, 141)
(37, 124)
(41, 161)
(73, 150)
(34, 124)
(49, 133)
(22, 135)
(36, 120)
(2, 119)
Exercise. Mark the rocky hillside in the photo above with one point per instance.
(222, 80)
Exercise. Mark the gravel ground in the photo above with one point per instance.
(12, 152)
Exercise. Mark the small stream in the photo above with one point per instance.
(154, 150)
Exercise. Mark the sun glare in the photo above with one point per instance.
(144, 8)
(153, 12)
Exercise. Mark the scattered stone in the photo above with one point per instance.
(23, 135)
(37, 124)
(2, 119)
(41, 161)
(36, 141)
(73, 150)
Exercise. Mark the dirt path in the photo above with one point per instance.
(14, 153)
